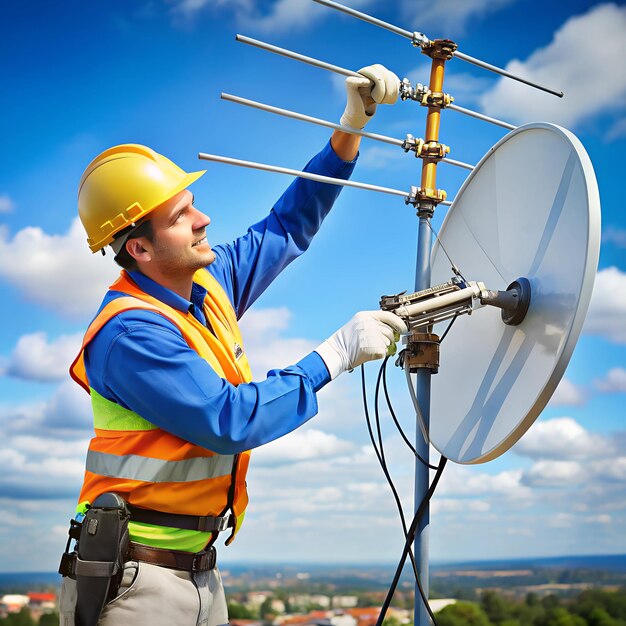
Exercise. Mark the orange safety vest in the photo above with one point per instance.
(147, 466)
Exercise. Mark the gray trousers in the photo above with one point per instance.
(159, 596)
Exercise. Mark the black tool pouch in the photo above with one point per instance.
(98, 561)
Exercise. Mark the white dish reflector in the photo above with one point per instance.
(529, 209)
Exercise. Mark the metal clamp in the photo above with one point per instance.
(422, 94)
(419, 40)
(408, 92)
(422, 352)
(425, 149)
(440, 49)
(437, 99)
(417, 195)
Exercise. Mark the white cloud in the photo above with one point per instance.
(449, 505)
(34, 358)
(615, 380)
(67, 414)
(584, 60)
(610, 469)
(377, 157)
(555, 474)
(599, 519)
(6, 204)
(562, 520)
(467, 89)
(265, 346)
(607, 310)
(567, 393)
(562, 438)
(617, 131)
(616, 236)
(447, 17)
(56, 271)
(302, 445)
(464, 481)
(281, 15)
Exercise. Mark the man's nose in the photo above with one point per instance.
(201, 220)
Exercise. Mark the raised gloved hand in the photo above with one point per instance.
(367, 336)
(378, 86)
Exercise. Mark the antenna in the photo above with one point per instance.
(410, 143)
(422, 41)
(529, 202)
(420, 94)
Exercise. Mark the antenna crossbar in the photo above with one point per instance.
(421, 40)
(295, 55)
(481, 116)
(346, 129)
(307, 118)
(309, 175)
(345, 72)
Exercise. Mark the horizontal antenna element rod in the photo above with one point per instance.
(298, 57)
(317, 177)
(497, 70)
(420, 39)
(480, 116)
(367, 18)
(344, 72)
(308, 118)
(320, 122)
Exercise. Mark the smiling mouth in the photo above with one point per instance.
(200, 241)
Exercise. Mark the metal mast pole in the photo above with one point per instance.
(429, 196)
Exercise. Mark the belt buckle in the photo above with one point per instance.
(224, 523)
(204, 561)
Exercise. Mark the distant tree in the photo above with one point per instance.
(560, 616)
(496, 607)
(49, 619)
(614, 603)
(283, 594)
(550, 602)
(462, 614)
(599, 617)
(529, 614)
(266, 612)
(366, 599)
(392, 620)
(23, 618)
(236, 610)
(532, 599)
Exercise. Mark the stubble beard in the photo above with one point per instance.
(182, 264)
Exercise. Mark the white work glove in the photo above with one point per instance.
(378, 85)
(367, 336)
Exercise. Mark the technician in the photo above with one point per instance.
(175, 409)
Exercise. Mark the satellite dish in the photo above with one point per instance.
(531, 209)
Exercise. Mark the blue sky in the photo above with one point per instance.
(80, 77)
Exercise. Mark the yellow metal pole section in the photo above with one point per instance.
(429, 167)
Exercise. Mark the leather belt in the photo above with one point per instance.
(174, 559)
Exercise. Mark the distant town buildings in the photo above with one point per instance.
(37, 602)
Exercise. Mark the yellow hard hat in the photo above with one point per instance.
(123, 184)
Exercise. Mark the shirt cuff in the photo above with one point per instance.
(337, 167)
(314, 367)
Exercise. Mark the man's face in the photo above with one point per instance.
(179, 245)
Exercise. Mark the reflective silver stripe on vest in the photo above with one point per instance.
(142, 468)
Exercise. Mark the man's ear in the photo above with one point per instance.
(135, 247)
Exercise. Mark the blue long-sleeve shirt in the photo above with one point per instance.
(141, 361)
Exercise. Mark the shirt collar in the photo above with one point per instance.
(154, 289)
